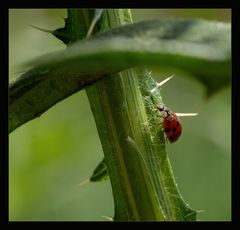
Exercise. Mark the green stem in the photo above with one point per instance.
(114, 108)
(142, 181)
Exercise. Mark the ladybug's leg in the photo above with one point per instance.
(166, 139)
(167, 130)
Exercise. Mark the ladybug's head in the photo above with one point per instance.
(163, 110)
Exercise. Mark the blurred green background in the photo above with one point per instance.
(51, 155)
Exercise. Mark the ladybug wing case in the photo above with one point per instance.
(172, 127)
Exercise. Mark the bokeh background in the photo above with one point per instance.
(51, 155)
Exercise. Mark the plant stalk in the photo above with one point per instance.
(135, 153)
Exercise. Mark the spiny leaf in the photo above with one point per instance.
(100, 173)
(65, 34)
(198, 46)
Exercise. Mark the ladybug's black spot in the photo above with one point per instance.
(178, 123)
(174, 130)
(167, 130)
(171, 138)
(169, 122)
(179, 132)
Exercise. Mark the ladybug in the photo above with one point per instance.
(171, 123)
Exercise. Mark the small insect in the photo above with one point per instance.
(171, 123)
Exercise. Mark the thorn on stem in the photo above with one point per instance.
(186, 114)
(86, 181)
(161, 83)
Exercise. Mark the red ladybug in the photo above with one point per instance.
(171, 123)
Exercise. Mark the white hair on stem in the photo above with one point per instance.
(161, 83)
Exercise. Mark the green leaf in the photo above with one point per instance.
(198, 46)
(100, 173)
(67, 34)
(64, 34)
